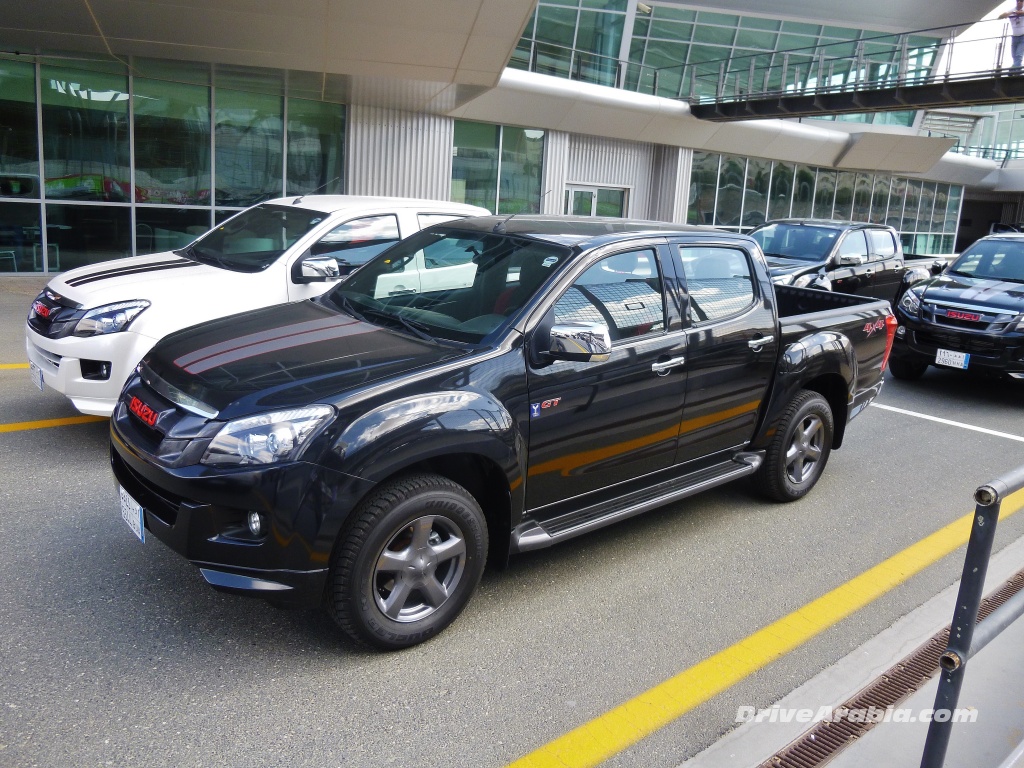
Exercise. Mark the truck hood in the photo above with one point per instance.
(153, 277)
(283, 357)
(1000, 295)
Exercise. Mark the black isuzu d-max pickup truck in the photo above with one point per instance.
(369, 450)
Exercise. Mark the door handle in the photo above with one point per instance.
(664, 367)
(756, 344)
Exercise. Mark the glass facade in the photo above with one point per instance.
(924, 213)
(497, 167)
(144, 162)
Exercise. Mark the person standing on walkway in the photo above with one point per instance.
(1016, 17)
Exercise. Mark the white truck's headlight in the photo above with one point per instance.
(268, 438)
(110, 318)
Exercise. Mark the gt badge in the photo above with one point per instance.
(536, 408)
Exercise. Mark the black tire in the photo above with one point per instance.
(907, 369)
(799, 450)
(437, 539)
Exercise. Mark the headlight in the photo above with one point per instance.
(911, 304)
(782, 279)
(267, 439)
(110, 318)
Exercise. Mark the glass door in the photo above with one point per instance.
(595, 201)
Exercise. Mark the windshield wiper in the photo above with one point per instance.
(413, 326)
(345, 304)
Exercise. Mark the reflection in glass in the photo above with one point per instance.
(611, 202)
(824, 194)
(249, 149)
(843, 208)
(85, 134)
(953, 210)
(316, 147)
(165, 229)
(77, 235)
(880, 199)
(19, 238)
(172, 142)
(703, 187)
(910, 206)
(862, 197)
(19, 148)
(782, 190)
(803, 199)
(755, 192)
(475, 164)
(522, 151)
(730, 191)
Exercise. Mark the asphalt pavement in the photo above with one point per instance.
(114, 652)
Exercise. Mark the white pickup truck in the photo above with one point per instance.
(89, 328)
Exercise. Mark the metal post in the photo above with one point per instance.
(988, 500)
(901, 75)
(785, 71)
(858, 64)
(750, 78)
(720, 90)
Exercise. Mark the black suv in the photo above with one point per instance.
(970, 317)
(842, 256)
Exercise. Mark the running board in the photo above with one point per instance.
(531, 535)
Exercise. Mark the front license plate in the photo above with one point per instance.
(952, 359)
(131, 511)
(37, 376)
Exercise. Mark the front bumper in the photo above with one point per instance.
(61, 361)
(201, 512)
(989, 352)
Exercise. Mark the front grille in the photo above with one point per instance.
(975, 345)
(154, 500)
(42, 357)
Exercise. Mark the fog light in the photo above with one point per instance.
(901, 331)
(255, 523)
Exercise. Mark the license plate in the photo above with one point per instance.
(131, 511)
(952, 359)
(37, 376)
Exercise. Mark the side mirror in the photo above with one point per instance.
(316, 269)
(916, 275)
(937, 266)
(851, 260)
(579, 342)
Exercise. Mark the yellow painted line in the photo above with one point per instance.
(12, 366)
(608, 734)
(21, 426)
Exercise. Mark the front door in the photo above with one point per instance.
(595, 201)
(596, 424)
(731, 348)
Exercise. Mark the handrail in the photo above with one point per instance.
(963, 642)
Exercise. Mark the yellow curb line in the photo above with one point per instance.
(21, 426)
(609, 734)
(12, 366)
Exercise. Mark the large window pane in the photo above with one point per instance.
(316, 142)
(248, 147)
(19, 147)
(85, 134)
(19, 238)
(172, 142)
(782, 190)
(824, 194)
(880, 199)
(703, 187)
(164, 229)
(953, 209)
(862, 197)
(730, 191)
(86, 234)
(845, 182)
(913, 202)
(755, 192)
(475, 164)
(803, 199)
(522, 150)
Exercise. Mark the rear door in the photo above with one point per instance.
(731, 346)
(596, 424)
(887, 256)
(859, 278)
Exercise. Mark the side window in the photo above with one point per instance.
(357, 241)
(622, 291)
(430, 219)
(719, 281)
(853, 244)
(882, 242)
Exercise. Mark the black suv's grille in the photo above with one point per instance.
(158, 427)
(975, 345)
(155, 500)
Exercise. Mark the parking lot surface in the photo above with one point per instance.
(114, 652)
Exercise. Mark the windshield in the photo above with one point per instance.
(449, 284)
(252, 240)
(993, 260)
(796, 241)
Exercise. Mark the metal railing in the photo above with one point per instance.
(964, 640)
(883, 61)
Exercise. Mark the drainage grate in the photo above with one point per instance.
(827, 738)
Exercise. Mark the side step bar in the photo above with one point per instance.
(531, 535)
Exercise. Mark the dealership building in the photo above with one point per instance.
(130, 127)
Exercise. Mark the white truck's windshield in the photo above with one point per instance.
(254, 239)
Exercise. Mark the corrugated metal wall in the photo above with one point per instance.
(389, 152)
(671, 183)
(555, 171)
(614, 163)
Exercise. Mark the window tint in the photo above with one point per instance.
(719, 281)
(882, 242)
(356, 241)
(622, 291)
(854, 244)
